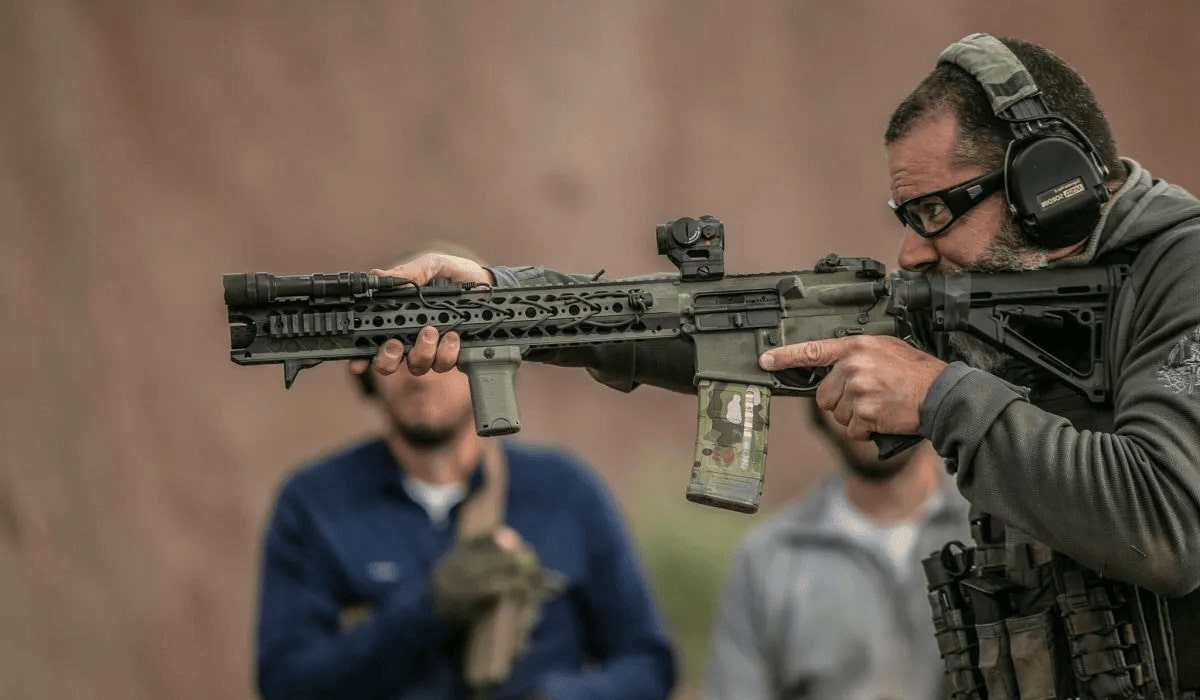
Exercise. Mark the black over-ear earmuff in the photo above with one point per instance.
(1050, 180)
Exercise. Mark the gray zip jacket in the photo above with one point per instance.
(1120, 497)
(808, 611)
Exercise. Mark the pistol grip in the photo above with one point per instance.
(491, 371)
(892, 445)
(731, 445)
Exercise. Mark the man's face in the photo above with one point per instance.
(984, 239)
(426, 411)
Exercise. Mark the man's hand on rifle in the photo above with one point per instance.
(427, 353)
(875, 383)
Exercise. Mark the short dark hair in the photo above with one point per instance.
(983, 137)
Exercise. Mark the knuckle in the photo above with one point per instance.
(856, 364)
(810, 352)
(856, 382)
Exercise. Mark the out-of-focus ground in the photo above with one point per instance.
(148, 147)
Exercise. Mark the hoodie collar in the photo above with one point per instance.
(1124, 220)
(811, 517)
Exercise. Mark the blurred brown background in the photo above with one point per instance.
(148, 147)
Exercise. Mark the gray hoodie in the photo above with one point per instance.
(1120, 497)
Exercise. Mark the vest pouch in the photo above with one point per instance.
(990, 602)
(1031, 643)
(953, 621)
(995, 661)
(1097, 640)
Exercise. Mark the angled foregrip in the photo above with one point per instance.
(731, 445)
(492, 644)
(491, 371)
(892, 445)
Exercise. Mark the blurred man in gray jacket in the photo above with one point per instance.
(827, 599)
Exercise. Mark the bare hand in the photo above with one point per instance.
(875, 383)
(429, 351)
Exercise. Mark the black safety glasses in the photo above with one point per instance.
(932, 213)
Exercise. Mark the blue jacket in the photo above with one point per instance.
(344, 532)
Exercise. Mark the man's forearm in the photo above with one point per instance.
(1101, 498)
(669, 364)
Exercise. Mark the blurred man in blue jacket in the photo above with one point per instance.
(368, 589)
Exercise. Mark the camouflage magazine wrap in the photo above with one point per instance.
(731, 445)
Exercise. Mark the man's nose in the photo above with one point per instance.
(917, 254)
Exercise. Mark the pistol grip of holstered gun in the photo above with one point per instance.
(491, 646)
(491, 372)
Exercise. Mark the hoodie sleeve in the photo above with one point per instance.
(1125, 503)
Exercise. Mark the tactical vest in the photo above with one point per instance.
(1017, 621)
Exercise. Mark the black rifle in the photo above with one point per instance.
(730, 319)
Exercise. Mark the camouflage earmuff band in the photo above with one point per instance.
(1050, 162)
(1003, 77)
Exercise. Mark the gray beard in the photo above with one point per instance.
(1008, 253)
